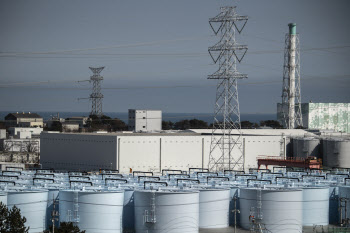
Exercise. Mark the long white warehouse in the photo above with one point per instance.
(151, 151)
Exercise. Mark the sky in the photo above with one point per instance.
(155, 53)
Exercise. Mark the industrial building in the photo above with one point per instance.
(24, 132)
(144, 120)
(323, 116)
(24, 120)
(153, 151)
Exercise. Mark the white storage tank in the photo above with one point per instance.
(3, 198)
(344, 192)
(315, 206)
(304, 147)
(166, 211)
(336, 152)
(282, 209)
(93, 211)
(32, 204)
(214, 204)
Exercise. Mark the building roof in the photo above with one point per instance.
(23, 115)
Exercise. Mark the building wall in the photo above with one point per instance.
(330, 116)
(78, 151)
(145, 120)
(21, 145)
(142, 152)
(13, 131)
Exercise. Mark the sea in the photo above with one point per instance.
(173, 117)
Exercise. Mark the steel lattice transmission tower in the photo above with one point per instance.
(291, 98)
(96, 95)
(226, 150)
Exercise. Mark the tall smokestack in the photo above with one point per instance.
(292, 65)
(290, 110)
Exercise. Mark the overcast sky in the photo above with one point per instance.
(155, 53)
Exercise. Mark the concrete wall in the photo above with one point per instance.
(78, 151)
(149, 152)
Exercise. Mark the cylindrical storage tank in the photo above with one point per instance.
(32, 204)
(52, 204)
(304, 147)
(234, 193)
(92, 211)
(282, 209)
(315, 206)
(344, 192)
(214, 207)
(166, 211)
(128, 209)
(336, 152)
(3, 198)
(334, 205)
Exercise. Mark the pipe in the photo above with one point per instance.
(197, 168)
(177, 181)
(10, 176)
(302, 177)
(125, 181)
(78, 181)
(14, 168)
(153, 182)
(44, 174)
(273, 169)
(236, 171)
(169, 170)
(118, 175)
(218, 177)
(273, 173)
(257, 169)
(336, 175)
(287, 178)
(53, 181)
(247, 175)
(183, 175)
(84, 177)
(258, 180)
(141, 172)
(18, 173)
(82, 172)
(152, 177)
(7, 181)
(38, 170)
(217, 174)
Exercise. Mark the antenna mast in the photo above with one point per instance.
(96, 95)
(227, 115)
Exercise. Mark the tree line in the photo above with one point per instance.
(109, 124)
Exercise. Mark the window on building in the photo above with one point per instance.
(143, 126)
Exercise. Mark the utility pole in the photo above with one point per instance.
(235, 210)
(226, 133)
(54, 214)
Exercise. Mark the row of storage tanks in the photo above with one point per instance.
(175, 201)
(334, 151)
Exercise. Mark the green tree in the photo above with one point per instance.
(167, 125)
(271, 123)
(11, 220)
(248, 125)
(66, 227)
